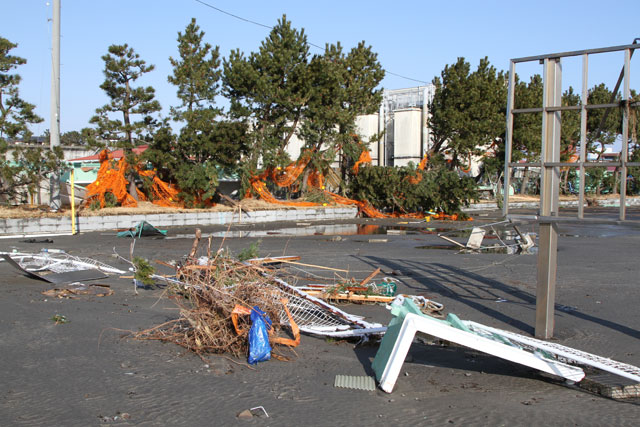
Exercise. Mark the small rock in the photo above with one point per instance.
(245, 415)
(467, 374)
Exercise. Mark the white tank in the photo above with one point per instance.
(367, 128)
(407, 136)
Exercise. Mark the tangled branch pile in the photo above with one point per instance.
(214, 288)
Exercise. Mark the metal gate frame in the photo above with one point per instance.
(550, 161)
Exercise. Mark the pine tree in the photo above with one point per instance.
(21, 175)
(122, 67)
(270, 89)
(343, 87)
(468, 110)
(206, 145)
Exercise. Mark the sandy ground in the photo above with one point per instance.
(143, 208)
(84, 373)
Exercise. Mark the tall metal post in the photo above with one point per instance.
(54, 131)
(508, 138)
(548, 249)
(583, 133)
(624, 150)
(381, 128)
(423, 120)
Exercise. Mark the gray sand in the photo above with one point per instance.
(83, 372)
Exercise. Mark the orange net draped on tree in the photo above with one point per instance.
(111, 179)
(365, 158)
(315, 179)
(287, 176)
(418, 176)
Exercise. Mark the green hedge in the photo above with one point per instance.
(389, 189)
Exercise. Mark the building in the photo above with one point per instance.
(402, 121)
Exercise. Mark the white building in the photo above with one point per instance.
(402, 119)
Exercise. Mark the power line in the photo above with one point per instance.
(234, 16)
(271, 28)
(408, 78)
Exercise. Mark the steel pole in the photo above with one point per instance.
(54, 127)
(548, 251)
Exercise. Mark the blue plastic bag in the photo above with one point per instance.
(259, 347)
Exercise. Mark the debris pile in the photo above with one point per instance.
(215, 295)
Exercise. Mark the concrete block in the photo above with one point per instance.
(191, 221)
(48, 221)
(204, 218)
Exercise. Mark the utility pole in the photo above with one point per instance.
(54, 131)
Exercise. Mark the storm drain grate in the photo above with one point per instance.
(357, 383)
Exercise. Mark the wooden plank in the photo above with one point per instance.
(452, 241)
(314, 266)
(352, 297)
(369, 277)
(274, 260)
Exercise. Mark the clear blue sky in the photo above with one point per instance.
(412, 38)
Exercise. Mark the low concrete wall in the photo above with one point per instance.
(62, 225)
(609, 203)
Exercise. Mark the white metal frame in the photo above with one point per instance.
(414, 323)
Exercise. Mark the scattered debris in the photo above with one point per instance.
(475, 239)
(408, 320)
(608, 385)
(59, 319)
(248, 414)
(37, 241)
(548, 357)
(58, 278)
(58, 262)
(369, 294)
(256, 409)
(365, 383)
(378, 240)
(120, 416)
(273, 260)
(217, 294)
(244, 415)
(76, 290)
(522, 242)
(143, 229)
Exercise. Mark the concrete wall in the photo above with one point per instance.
(62, 225)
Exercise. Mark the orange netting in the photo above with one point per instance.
(111, 179)
(418, 177)
(288, 176)
(315, 180)
(365, 158)
(260, 187)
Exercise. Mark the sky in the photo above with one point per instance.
(413, 39)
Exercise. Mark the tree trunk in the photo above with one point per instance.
(131, 176)
(565, 181)
(525, 182)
